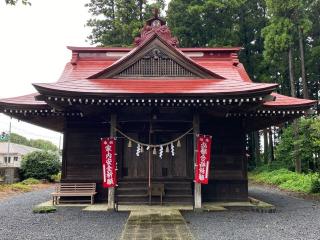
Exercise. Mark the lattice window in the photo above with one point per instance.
(156, 64)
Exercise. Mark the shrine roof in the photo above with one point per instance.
(123, 49)
(212, 72)
(154, 86)
(24, 101)
(282, 101)
(86, 68)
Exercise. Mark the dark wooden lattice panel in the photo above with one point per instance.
(155, 64)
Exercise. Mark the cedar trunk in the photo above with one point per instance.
(303, 69)
(266, 145)
(256, 139)
(297, 160)
(271, 152)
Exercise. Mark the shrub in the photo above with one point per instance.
(44, 209)
(30, 181)
(40, 165)
(288, 180)
(56, 177)
(315, 184)
(303, 143)
(299, 183)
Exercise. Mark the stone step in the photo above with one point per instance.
(156, 224)
(141, 191)
(136, 192)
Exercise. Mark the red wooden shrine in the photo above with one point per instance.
(153, 93)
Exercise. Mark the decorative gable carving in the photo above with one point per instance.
(162, 31)
(156, 63)
(157, 59)
(156, 25)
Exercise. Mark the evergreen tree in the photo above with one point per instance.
(118, 22)
(216, 23)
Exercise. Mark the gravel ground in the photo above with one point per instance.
(294, 219)
(18, 222)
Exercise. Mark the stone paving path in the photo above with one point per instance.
(156, 225)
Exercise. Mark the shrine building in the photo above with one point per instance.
(162, 96)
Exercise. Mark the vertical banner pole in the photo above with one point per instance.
(197, 186)
(113, 123)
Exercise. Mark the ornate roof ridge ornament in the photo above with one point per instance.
(158, 26)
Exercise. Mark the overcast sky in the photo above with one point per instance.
(33, 44)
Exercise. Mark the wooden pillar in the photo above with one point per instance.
(197, 186)
(113, 123)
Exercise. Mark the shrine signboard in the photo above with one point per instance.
(203, 159)
(108, 157)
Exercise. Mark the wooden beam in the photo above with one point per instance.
(113, 123)
(197, 186)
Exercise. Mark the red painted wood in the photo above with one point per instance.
(218, 60)
(285, 101)
(114, 49)
(23, 100)
(157, 86)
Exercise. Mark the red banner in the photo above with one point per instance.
(108, 156)
(203, 159)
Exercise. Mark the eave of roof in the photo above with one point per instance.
(24, 101)
(284, 102)
(125, 49)
(102, 87)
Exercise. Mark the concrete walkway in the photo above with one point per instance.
(156, 225)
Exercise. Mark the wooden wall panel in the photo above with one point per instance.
(228, 170)
(81, 157)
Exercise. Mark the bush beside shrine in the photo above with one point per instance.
(288, 180)
(56, 177)
(40, 165)
(44, 209)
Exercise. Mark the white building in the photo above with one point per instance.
(16, 152)
(10, 161)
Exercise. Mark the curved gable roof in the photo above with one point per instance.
(156, 41)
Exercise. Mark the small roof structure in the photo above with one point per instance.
(16, 149)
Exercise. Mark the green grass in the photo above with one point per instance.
(44, 209)
(24, 186)
(288, 180)
(20, 187)
(3, 187)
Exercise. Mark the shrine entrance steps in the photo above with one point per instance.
(156, 224)
(130, 192)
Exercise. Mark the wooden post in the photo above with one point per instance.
(197, 186)
(113, 123)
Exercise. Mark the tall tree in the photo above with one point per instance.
(287, 19)
(312, 48)
(265, 146)
(271, 145)
(118, 22)
(214, 23)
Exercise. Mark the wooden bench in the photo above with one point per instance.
(156, 189)
(74, 190)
